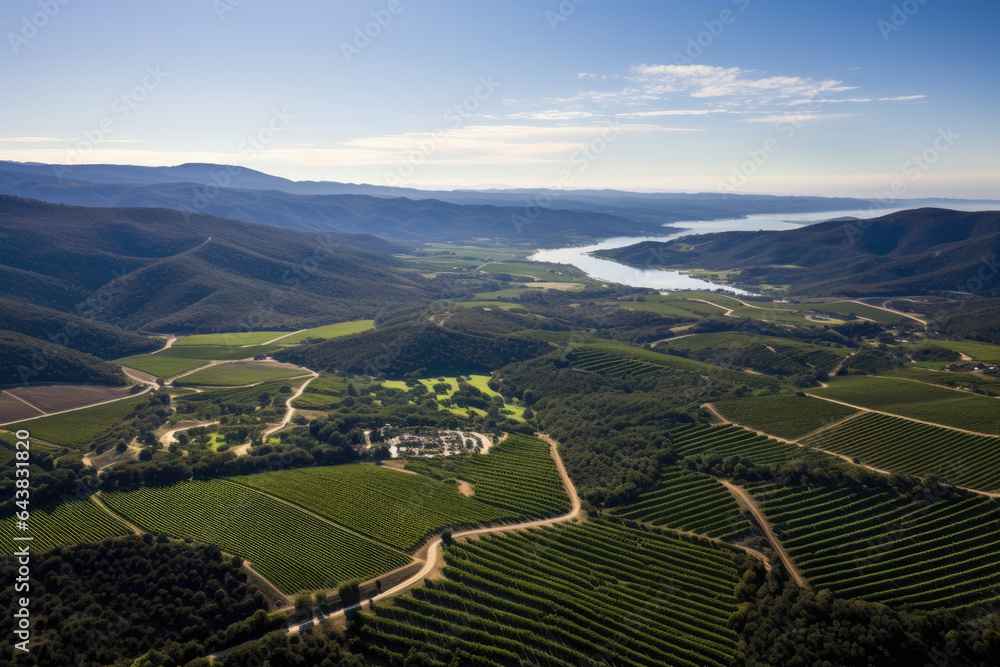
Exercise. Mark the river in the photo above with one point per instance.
(603, 269)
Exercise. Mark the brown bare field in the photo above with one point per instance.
(12, 409)
(60, 397)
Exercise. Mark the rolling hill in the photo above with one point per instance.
(159, 270)
(906, 253)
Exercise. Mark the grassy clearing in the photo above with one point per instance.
(556, 273)
(978, 351)
(217, 352)
(240, 374)
(917, 401)
(160, 365)
(783, 415)
(330, 331)
(480, 382)
(79, 427)
(500, 305)
(236, 339)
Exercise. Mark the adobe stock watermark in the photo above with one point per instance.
(454, 118)
(582, 158)
(899, 17)
(562, 12)
(914, 168)
(121, 108)
(223, 7)
(249, 148)
(363, 35)
(31, 25)
(701, 42)
(784, 129)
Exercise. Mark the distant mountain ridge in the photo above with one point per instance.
(159, 270)
(905, 253)
(520, 215)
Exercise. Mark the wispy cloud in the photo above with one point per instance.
(31, 139)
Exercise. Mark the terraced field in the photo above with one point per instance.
(918, 449)
(72, 522)
(689, 501)
(917, 401)
(978, 351)
(572, 594)
(732, 440)
(388, 505)
(783, 415)
(931, 552)
(293, 549)
(518, 475)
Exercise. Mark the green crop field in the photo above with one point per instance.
(329, 331)
(689, 501)
(731, 440)
(917, 400)
(239, 373)
(79, 426)
(388, 505)
(978, 351)
(556, 273)
(773, 356)
(518, 475)
(293, 549)
(500, 305)
(236, 339)
(563, 595)
(161, 366)
(783, 415)
(918, 449)
(934, 552)
(68, 523)
(984, 384)
(217, 352)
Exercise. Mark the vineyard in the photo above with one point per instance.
(689, 501)
(293, 549)
(388, 505)
(240, 373)
(918, 449)
(783, 415)
(73, 522)
(79, 427)
(917, 401)
(731, 441)
(776, 356)
(933, 551)
(517, 475)
(573, 594)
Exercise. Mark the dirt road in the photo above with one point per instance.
(744, 499)
(434, 547)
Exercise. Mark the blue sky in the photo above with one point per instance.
(852, 97)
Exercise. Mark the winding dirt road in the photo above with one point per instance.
(434, 547)
(744, 499)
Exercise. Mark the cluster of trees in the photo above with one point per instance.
(114, 601)
(24, 359)
(783, 624)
